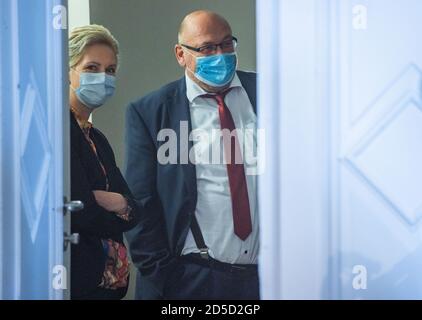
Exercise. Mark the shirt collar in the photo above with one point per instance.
(193, 90)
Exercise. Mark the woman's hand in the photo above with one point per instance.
(111, 201)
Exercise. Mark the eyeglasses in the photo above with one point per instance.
(226, 46)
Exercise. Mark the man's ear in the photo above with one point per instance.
(180, 55)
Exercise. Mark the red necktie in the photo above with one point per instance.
(235, 171)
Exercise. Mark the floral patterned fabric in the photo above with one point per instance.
(116, 271)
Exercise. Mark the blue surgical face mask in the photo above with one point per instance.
(216, 70)
(95, 88)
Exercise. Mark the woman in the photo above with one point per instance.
(99, 263)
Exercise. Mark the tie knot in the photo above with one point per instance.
(219, 97)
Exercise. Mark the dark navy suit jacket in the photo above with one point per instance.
(167, 193)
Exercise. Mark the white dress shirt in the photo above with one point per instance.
(214, 208)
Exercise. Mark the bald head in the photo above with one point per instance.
(202, 25)
(201, 29)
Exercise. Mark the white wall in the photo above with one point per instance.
(79, 13)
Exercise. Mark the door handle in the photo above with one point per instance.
(74, 205)
(71, 206)
(70, 238)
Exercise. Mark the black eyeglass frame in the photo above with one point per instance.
(202, 48)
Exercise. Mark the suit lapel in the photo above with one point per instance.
(250, 87)
(180, 122)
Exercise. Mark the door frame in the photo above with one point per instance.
(294, 108)
(10, 227)
(57, 49)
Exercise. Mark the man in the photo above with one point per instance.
(198, 238)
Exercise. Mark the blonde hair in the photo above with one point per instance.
(82, 37)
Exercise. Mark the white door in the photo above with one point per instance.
(34, 148)
(340, 99)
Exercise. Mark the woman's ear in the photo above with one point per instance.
(73, 78)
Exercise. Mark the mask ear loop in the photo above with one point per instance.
(187, 68)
